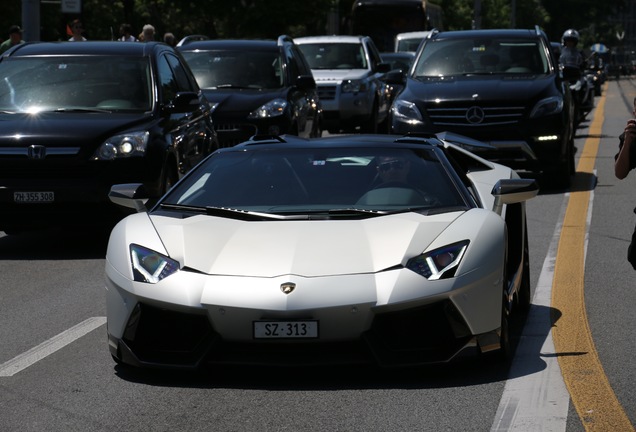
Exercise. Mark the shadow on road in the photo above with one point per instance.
(464, 373)
(55, 244)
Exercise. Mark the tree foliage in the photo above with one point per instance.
(268, 19)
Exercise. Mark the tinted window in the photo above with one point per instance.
(456, 56)
(279, 181)
(183, 81)
(167, 80)
(236, 69)
(298, 56)
(32, 84)
(409, 44)
(374, 55)
(294, 70)
(335, 55)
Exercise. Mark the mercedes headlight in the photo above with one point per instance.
(407, 112)
(122, 146)
(150, 266)
(547, 106)
(440, 263)
(272, 108)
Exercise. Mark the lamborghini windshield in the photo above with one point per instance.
(307, 180)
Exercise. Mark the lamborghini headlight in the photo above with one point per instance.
(439, 263)
(150, 266)
(121, 146)
(272, 108)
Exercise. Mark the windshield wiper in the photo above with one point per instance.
(351, 211)
(231, 212)
(93, 110)
(255, 216)
(230, 86)
(429, 211)
(248, 215)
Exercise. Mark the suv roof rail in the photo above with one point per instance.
(284, 39)
(192, 38)
(432, 33)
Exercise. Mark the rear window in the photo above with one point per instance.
(335, 55)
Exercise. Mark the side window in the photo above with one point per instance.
(293, 65)
(374, 55)
(303, 66)
(183, 81)
(167, 80)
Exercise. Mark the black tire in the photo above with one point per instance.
(505, 352)
(524, 295)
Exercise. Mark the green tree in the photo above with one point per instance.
(268, 19)
(460, 14)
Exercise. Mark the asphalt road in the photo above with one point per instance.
(56, 373)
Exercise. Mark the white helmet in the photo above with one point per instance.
(570, 34)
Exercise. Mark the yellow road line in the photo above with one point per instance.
(591, 393)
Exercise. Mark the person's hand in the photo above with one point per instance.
(630, 131)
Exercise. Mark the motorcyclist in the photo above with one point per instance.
(571, 57)
(573, 65)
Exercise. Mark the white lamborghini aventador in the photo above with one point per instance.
(365, 249)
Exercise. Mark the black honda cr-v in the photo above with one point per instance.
(502, 87)
(76, 118)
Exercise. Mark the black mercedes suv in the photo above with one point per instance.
(502, 87)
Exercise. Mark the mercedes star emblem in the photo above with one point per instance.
(475, 115)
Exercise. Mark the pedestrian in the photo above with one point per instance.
(15, 38)
(170, 39)
(125, 33)
(625, 159)
(148, 33)
(624, 162)
(77, 29)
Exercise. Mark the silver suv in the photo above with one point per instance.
(348, 73)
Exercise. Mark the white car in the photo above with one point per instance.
(348, 71)
(370, 249)
(410, 41)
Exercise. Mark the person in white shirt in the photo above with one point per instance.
(77, 29)
(125, 33)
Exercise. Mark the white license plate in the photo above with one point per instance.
(34, 197)
(285, 329)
